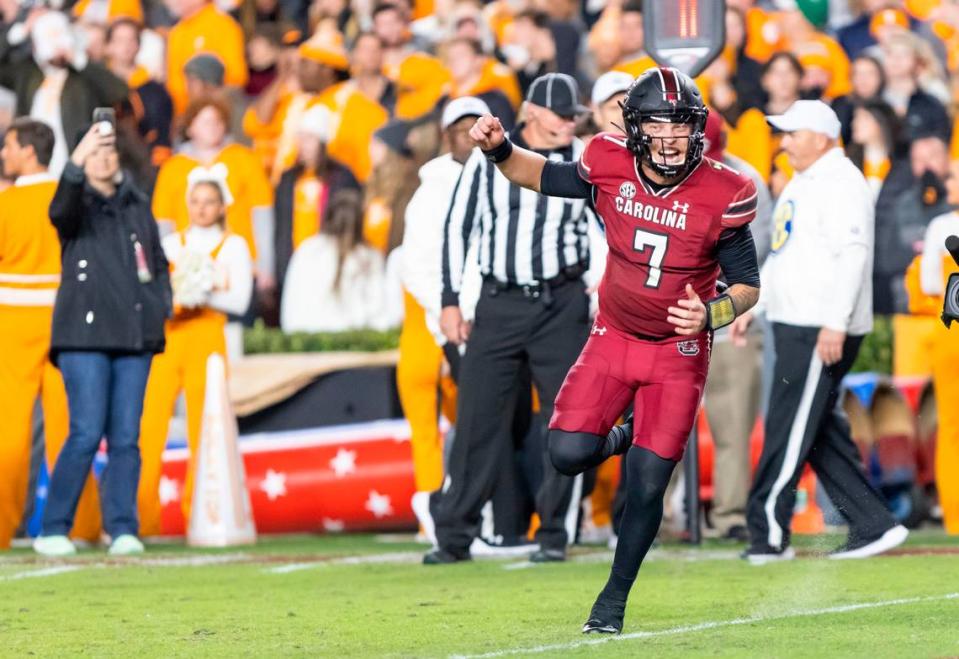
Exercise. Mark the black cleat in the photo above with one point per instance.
(442, 556)
(548, 556)
(606, 617)
(620, 438)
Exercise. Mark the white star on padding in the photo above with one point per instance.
(169, 490)
(274, 484)
(379, 505)
(344, 463)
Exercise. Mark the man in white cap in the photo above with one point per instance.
(609, 90)
(817, 293)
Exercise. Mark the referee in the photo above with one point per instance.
(817, 293)
(533, 311)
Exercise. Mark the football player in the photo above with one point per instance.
(674, 220)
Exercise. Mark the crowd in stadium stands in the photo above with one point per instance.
(318, 131)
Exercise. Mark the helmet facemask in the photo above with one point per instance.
(639, 142)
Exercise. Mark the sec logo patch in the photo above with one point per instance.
(782, 224)
(627, 190)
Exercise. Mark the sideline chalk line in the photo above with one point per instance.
(703, 626)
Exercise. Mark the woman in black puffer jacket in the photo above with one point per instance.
(108, 320)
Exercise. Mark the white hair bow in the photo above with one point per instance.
(215, 174)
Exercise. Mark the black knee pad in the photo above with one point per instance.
(572, 452)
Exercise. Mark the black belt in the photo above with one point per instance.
(650, 337)
(538, 289)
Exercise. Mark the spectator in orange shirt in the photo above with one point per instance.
(632, 38)
(206, 127)
(105, 13)
(304, 72)
(749, 136)
(366, 69)
(392, 26)
(804, 40)
(475, 74)
(421, 82)
(782, 80)
(763, 34)
(202, 28)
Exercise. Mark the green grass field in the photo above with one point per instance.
(368, 596)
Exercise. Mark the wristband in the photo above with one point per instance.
(500, 153)
(720, 312)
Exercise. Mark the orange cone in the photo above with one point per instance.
(807, 517)
(221, 512)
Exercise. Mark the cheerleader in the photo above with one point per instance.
(212, 276)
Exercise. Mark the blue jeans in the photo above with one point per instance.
(105, 397)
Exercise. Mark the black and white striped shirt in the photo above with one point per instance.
(524, 236)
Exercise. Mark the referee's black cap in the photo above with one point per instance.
(557, 92)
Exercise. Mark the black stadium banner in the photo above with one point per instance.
(685, 34)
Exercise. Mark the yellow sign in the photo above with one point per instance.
(782, 224)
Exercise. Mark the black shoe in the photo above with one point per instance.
(444, 557)
(548, 556)
(737, 533)
(620, 438)
(606, 617)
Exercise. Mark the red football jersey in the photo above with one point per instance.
(659, 241)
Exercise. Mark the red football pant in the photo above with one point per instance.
(664, 379)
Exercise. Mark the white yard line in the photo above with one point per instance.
(371, 559)
(43, 572)
(293, 567)
(703, 626)
(195, 560)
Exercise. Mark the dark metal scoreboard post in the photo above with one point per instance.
(687, 35)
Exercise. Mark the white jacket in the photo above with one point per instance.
(819, 273)
(421, 270)
(311, 304)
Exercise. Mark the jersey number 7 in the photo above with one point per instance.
(658, 244)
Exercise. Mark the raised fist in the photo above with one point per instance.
(487, 133)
